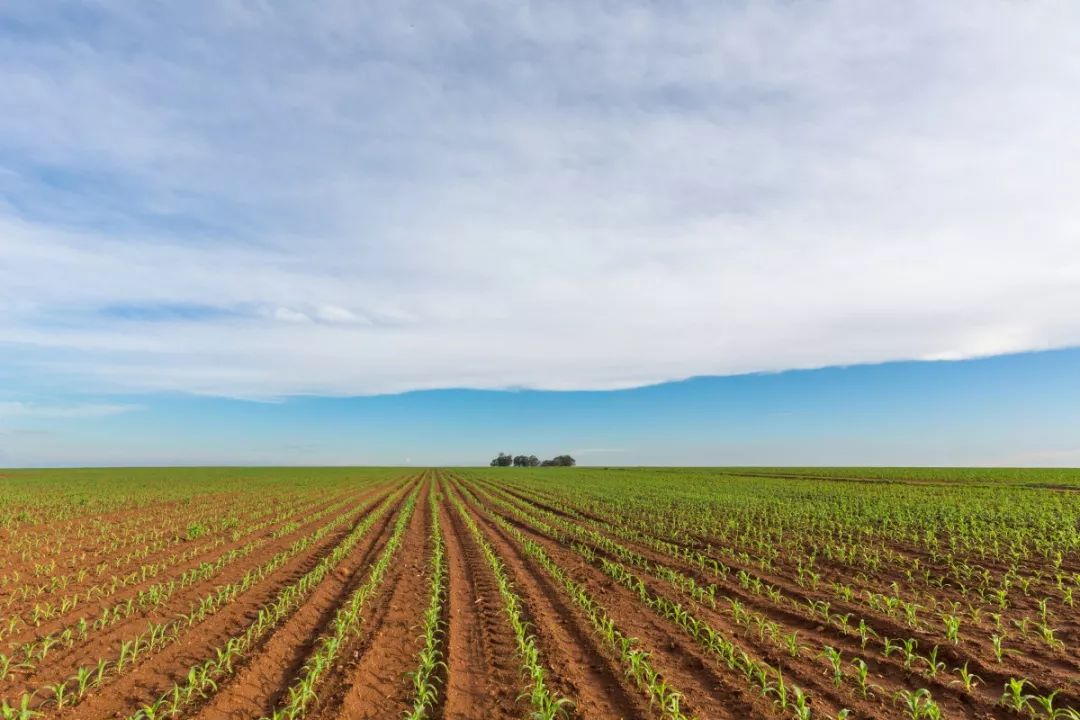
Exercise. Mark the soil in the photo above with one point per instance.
(481, 676)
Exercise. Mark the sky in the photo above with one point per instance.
(688, 232)
(1012, 410)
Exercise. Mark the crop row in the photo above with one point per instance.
(644, 527)
(425, 678)
(346, 623)
(546, 705)
(203, 678)
(159, 634)
(634, 659)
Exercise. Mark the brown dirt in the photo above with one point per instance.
(601, 687)
(886, 672)
(371, 681)
(92, 609)
(482, 678)
(479, 635)
(154, 674)
(62, 662)
(263, 677)
(83, 530)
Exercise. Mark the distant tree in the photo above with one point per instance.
(504, 460)
(559, 461)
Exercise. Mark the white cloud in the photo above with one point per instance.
(569, 196)
(290, 316)
(335, 314)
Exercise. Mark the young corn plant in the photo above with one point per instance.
(1014, 697)
(918, 705)
(425, 678)
(968, 680)
(22, 711)
(933, 665)
(862, 682)
(832, 655)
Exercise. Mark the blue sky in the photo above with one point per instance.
(229, 228)
(1003, 411)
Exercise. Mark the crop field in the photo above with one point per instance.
(539, 593)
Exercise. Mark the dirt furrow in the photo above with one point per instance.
(479, 634)
(372, 682)
(583, 669)
(982, 702)
(91, 609)
(708, 691)
(157, 673)
(262, 679)
(807, 669)
(62, 663)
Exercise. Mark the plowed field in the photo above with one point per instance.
(542, 593)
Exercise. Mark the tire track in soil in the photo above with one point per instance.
(709, 691)
(262, 678)
(372, 681)
(484, 678)
(124, 694)
(581, 668)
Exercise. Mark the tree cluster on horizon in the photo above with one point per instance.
(506, 460)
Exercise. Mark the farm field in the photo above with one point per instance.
(709, 593)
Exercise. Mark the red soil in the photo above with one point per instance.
(482, 678)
